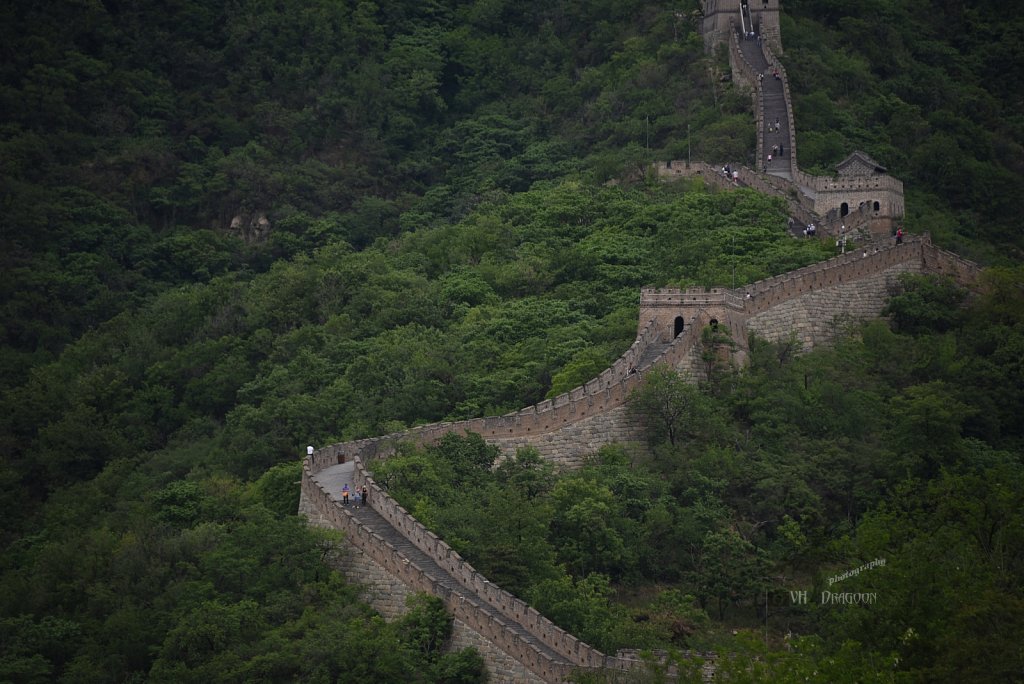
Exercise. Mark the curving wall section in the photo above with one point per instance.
(324, 510)
(855, 284)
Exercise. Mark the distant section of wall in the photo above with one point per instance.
(567, 446)
(876, 196)
(809, 303)
(382, 590)
(721, 16)
(818, 316)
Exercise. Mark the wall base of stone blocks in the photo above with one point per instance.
(387, 595)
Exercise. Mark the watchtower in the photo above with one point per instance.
(759, 16)
(674, 311)
(860, 193)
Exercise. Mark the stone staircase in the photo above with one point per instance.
(773, 110)
(651, 355)
(334, 478)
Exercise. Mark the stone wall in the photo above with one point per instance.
(501, 668)
(818, 316)
(533, 664)
(568, 446)
(808, 303)
(560, 428)
(387, 595)
(721, 15)
(382, 590)
(575, 651)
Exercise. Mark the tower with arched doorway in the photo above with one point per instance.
(721, 16)
(861, 193)
(674, 311)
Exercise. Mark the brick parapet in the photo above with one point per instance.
(777, 303)
(857, 263)
(745, 74)
(605, 392)
(854, 183)
(776, 64)
(943, 262)
(577, 652)
(329, 513)
(502, 668)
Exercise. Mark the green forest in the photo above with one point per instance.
(230, 230)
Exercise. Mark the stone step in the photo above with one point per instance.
(376, 523)
(650, 354)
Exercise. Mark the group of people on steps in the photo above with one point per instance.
(361, 496)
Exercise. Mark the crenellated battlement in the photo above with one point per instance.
(861, 188)
(568, 427)
(805, 304)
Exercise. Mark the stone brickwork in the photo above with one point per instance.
(721, 17)
(567, 447)
(501, 668)
(382, 590)
(809, 303)
(818, 316)
(877, 196)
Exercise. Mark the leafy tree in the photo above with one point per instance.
(925, 303)
(728, 568)
(582, 528)
(579, 606)
(671, 407)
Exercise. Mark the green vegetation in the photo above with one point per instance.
(929, 90)
(896, 446)
(233, 229)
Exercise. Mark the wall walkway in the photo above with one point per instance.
(804, 303)
(392, 554)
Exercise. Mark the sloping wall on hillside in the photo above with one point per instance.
(806, 303)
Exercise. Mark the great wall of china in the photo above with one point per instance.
(392, 555)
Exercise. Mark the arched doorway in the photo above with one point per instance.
(678, 326)
(844, 209)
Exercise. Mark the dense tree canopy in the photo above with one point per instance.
(930, 91)
(233, 229)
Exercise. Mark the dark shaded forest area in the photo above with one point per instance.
(229, 230)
